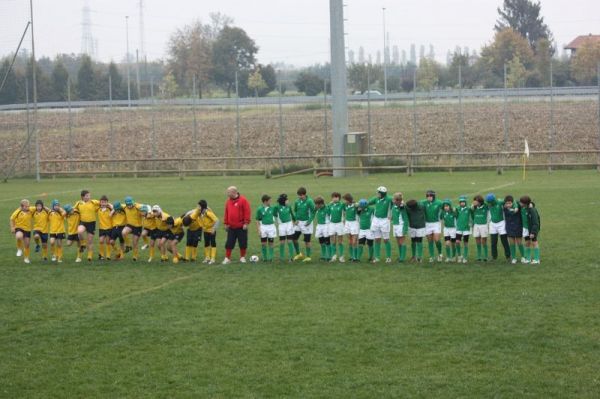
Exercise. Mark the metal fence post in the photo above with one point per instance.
(70, 119)
(27, 123)
(237, 121)
(369, 126)
(281, 134)
(461, 120)
(153, 132)
(415, 129)
(598, 78)
(505, 117)
(111, 139)
(551, 132)
(195, 127)
(325, 123)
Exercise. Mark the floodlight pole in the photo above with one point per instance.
(384, 61)
(339, 96)
(127, 61)
(35, 105)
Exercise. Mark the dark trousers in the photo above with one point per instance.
(240, 235)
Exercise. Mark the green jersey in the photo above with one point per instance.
(350, 212)
(364, 218)
(265, 214)
(480, 214)
(524, 217)
(496, 210)
(283, 212)
(449, 218)
(464, 214)
(336, 209)
(382, 206)
(433, 210)
(416, 216)
(304, 209)
(322, 214)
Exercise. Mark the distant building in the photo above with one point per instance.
(579, 41)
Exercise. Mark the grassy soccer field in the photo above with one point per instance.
(122, 329)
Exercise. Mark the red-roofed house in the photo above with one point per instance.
(578, 42)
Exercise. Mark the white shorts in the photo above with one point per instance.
(322, 231)
(416, 233)
(498, 228)
(286, 229)
(336, 229)
(480, 230)
(351, 227)
(365, 234)
(267, 231)
(398, 230)
(463, 233)
(450, 232)
(303, 228)
(433, 228)
(525, 232)
(380, 228)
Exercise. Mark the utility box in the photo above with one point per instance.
(355, 143)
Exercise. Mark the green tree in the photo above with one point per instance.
(9, 93)
(523, 16)
(59, 79)
(233, 51)
(359, 76)
(168, 86)
(309, 84)
(507, 45)
(516, 73)
(256, 82)
(585, 63)
(270, 77)
(428, 74)
(86, 80)
(119, 86)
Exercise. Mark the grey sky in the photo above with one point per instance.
(294, 32)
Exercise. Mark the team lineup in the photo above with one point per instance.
(342, 226)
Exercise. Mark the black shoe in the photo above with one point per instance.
(37, 247)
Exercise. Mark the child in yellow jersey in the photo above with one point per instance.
(40, 228)
(20, 226)
(193, 235)
(119, 220)
(87, 209)
(73, 219)
(209, 222)
(134, 224)
(56, 221)
(162, 231)
(149, 230)
(105, 224)
(175, 235)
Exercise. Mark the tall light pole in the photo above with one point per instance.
(35, 105)
(384, 60)
(127, 61)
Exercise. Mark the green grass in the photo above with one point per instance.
(308, 330)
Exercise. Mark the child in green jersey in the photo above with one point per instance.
(416, 221)
(448, 216)
(304, 211)
(285, 226)
(380, 225)
(480, 227)
(336, 227)
(497, 225)
(514, 228)
(433, 226)
(464, 217)
(322, 214)
(365, 215)
(265, 223)
(399, 224)
(351, 226)
(533, 230)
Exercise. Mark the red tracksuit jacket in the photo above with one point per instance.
(237, 212)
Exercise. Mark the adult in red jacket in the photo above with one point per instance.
(236, 221)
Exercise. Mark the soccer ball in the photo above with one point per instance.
(254, 259)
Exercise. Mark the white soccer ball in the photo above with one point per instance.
(254, 259)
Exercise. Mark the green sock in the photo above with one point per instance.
(420, 250)
(377, 249)
(388, 248)
(281, 250)
(527, 253)
(430, 245)
(263, 249)
(399, 251)
(402, 253)
(290, 249)
(485, 251)
(370, 248)
(466, 252)
(341, 250)
(296, 247)
(271, 251)
(513, 251)
(355, 251)
(478, 251)
(438, 245)
(522, 250)
(448, 251)
(308, 251)
(332, 248)
(359, 251)
(536, 253)
(323, 251)
(457, 249)
(413, 248)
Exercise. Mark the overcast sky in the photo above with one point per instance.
(294, 32)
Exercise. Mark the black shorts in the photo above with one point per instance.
(172, 236)
(239, 235)
(210, 239)
(43, 236)
(117, 232)
(58, 236)
(105, 232)
(26, 234)
(136, 231)
(534, 238)
(90, 227)
(193, 238)
(73, 237)
(160, 234)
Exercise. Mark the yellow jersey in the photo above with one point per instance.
(149, 221)
(40, 220)
(207, 219)
(104, 218)
(57, 222)
(177, 226)
(23, 219)
(73, 220)
(119, 219)
(87, 210)
(134, 216)
(195, 225)
(161, 222)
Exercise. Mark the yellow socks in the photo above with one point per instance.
(188, 252)
(213, 253)
(108, 251)
(194, 253)
(146, 240)
(135, 252)
(101, 247)
(151, 252)
(26, 252)
(45, 251)
(20, 244)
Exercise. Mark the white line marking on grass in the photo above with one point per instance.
(39, 195)
(492, 188)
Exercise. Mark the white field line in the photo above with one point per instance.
(492, 188)
(35, 196)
